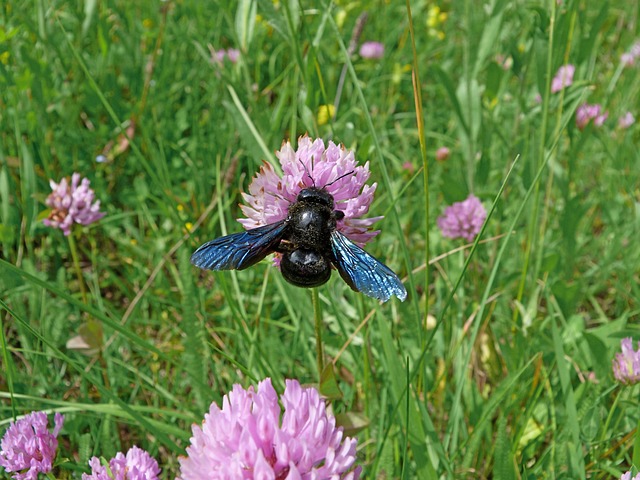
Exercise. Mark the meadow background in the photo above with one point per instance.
(498, 365)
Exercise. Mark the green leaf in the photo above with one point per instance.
(89, 12)
(89, 339)
(328, 383)
(488, 41)
(503, 461)
(469, 96)
(84, 448)
(408, 413)
(352, 422)
(195, 339)
(7, 233)
(447, 83)
(245, 22)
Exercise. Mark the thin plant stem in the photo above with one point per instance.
(317, 315)
(353, 44)
(76, 265)
(533, 229)
(635, 459)
(613, 408)
(83, 291)
(417, 98)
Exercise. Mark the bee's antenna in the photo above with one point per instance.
(340, 177)
(307, 171)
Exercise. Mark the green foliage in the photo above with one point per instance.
(512, 380)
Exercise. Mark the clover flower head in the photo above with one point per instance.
(251, 438)
(629, 57)
(28, 447)
(137, 464)
(408, 166)
(218, 56)
(505, 62)
(233, 54)
(372, 50)
(563, 78)
(599, 119)
(626, 120)
(442, 154)
(585, 113)
(72, 203)
(332, 167)
(626, 365)
(627, 476)
(463, 219)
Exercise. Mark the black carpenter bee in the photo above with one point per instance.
(310, 244)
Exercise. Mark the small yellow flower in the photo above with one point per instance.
(435, 19)
(399, 72)
(133, 241)
(325, 113)
(188, 226)
(264, 23)
(180, 208)
(341, 16)
(147, 23)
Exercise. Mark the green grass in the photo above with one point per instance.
(515, 379)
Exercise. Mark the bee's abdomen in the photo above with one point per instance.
(305, 268)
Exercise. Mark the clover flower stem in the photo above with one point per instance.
(635, 459)
(612, 410)
(317, 315)
(103, 364)
(76, 264)
(534, 232)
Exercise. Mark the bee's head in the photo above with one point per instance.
(319, 195)
(316, 195)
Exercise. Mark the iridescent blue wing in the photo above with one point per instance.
(239, 250)
(364, 273)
